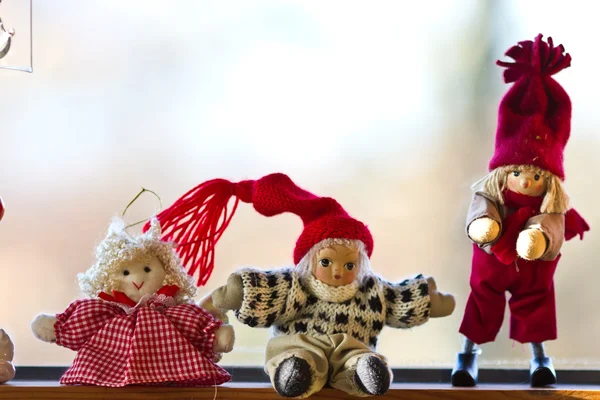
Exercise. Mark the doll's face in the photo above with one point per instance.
(336, 265)
(526, 182)
(138, 278)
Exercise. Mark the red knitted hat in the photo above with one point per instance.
(197, 220)
(534, 117)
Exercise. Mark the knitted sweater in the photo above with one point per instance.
(282, 300)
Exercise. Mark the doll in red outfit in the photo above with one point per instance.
(520, 216)
(138, 324)
(327, 309)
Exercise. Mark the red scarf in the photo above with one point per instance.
(120, 297)
(526, 207)
(575, 225)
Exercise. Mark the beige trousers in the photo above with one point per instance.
(332, 359)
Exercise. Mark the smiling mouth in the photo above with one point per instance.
(338, 277)
(138, 287)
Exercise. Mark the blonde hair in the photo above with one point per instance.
(304, 267)
(556, 199)
(119, 248)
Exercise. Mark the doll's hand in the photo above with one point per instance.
(224, 339)
(230, 296)
(483, 230)
(207, 304)
(442, 304)
(531, 244)
(43, 328)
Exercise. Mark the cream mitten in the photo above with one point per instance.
(483, 230)
(531, 244)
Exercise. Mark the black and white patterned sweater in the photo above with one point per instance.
(281, 299)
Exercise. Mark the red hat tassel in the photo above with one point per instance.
(535, 57)
(196, 221)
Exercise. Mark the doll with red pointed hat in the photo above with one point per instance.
(326, 311)
(138, 323)
(520, 215)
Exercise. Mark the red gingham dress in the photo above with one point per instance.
(151, 343)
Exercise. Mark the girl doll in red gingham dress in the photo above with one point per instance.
(138, 324)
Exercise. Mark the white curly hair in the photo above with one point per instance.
(119, 247)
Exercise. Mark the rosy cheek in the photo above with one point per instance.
(349, 276)
(320, 273)
(539, 187)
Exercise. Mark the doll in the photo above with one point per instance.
(327, 310)
(7, 351)
(138, 323)
(7, 348)
(519, 216)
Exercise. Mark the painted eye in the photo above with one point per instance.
(147, 269)
(126, 272)
(325, 263)
(350, 266)
(516, 173)
(537, 177)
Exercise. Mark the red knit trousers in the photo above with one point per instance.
(532, 303)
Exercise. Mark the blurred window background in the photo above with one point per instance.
(388, 106)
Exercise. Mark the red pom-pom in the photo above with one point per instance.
(535, 58)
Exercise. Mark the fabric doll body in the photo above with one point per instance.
(328, 309)
(520, 214)
(519, 256)
(147, 330)
(325, 332)
(155, 341)
(496, 269)
(330, 329)
(294, 305)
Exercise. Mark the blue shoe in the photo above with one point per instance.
(465, 371)
(542, 372)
